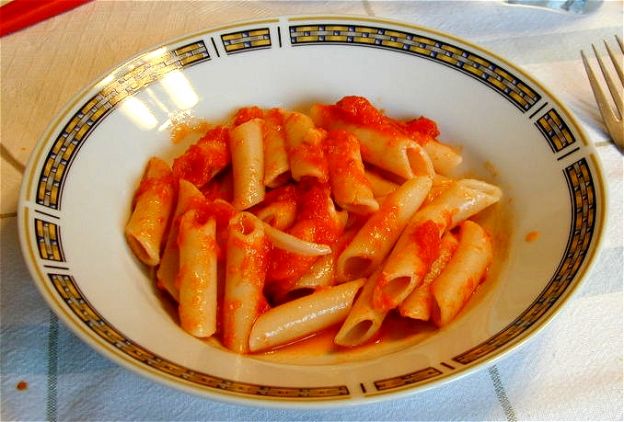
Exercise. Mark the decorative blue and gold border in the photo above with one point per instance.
(254, 39)
(48, 238)
(69, 291)
(583, 202)
(47, 189)
(504, 82)
(555, 130)
(141, 74)
(407, 379)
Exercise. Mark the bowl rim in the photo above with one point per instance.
(125, 361)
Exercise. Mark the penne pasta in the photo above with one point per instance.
(460, 201)
(440, 185)
(407, 264)
(419, 303)
(220, 187)
(197, 278)
(443, 157)
(304, 316)
(276, 165)
(153, 204)
(297, 235)
(374, 240)
(247, 164)
(292, 244)
(304, 148)
(382, 141)
(458, 281)
(318, 222)
(204, 159)
(320, 274)
(379, 185)
(419, 244)
(246, 263)
(363, 320)
(350, 187)
(167, 271)
(425, 131)
(280, 215)
(279, 209)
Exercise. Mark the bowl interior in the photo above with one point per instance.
(548, 188)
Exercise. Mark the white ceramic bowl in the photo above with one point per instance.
(80, 179)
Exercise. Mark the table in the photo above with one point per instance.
(571, 370)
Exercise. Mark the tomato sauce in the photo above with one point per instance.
(276, 117)
(316, 222)
(343, 150)
(422, 129)
(204, 159)
(359, 111)
(222, 212)
(220, 187)
(180, 131)
(246, 114)
(162, 187)
(427, 237)
(532, 236)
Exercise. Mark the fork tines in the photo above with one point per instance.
(612, 117)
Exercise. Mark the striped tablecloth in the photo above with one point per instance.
(571, 370)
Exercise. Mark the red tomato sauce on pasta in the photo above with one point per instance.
(421, 126)
(341, 148)
(359, 111)
(307, 208)
(162, 187)
(315, 223)
(246, 114)
(427, 237)
(203, 160)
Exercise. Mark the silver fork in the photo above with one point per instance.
(612, 117)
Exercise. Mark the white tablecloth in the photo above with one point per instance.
(571, 370)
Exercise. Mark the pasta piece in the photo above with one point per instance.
(246, 263)
(364, 320)
(247, 164)
(424, 131)
(318, 222)
(304, 316)
(374, 240)
(380, 186)
(170, 261)
(407, 264)
(276, 166)
(304, 147)
(197, 278)
(220, 187)
(382, 141)
(419, 244)
(204, 159)
(321, 274)
(280, 215)
(443, 157)
(350, 187)
(440, 185)
(279, 208)
(292, 244)
(245, 114)
(418, 304)
(463, 199)
(452, 289)
(153, 203)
